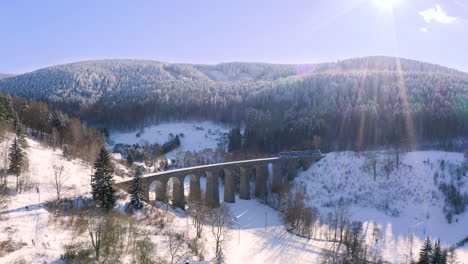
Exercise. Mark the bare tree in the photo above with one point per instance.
(3, 198)
(342, 218)
(300, 219)
(198, 210)
(452, 257)
(176, 242)
(220, 220)
(3, 178)
(466, 159)
(95, 225)
(197, 248)
(111, 234)
(60, 178)
(4, 160)
(410, 247)
(397, 152)
(371, 162)
(143, 251)
(388, 167)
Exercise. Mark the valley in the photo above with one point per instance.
(405, 207)
(234, 132)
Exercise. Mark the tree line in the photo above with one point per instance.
(53, 128)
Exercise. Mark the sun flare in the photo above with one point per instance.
(387, 5)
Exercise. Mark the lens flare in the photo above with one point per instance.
(386, 5)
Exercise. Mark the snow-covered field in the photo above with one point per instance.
(197, 136)
(258, 234)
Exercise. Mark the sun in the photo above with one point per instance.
(386, 5)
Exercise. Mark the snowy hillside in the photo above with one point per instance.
(38, 238)
(258, 234)
(194, 136)
(409, 202)
(26, 221)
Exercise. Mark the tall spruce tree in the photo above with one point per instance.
(102, 181)
(136, 190)
(444, 256)
(425, 256)
(16, 158)
(235, 140)
(20, 136)
(439, 256)
(437, 253)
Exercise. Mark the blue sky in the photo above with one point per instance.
(36, 33)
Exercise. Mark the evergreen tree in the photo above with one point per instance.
(7, 113)
(425, 256)
(177, 141)
(16, 158)
(136, 190)
(130, 158)
(444, 256)
(102, 181)
(235, 140)
(171, 144)
(437, 257)
(20, 136)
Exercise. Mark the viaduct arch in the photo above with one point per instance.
(284, 169)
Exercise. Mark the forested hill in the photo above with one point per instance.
(88, 81)
(3, 76)
(351, 103)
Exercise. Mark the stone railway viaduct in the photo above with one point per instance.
(284, 169)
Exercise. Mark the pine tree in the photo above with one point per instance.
(235, 140)
(16, 158)
(102, 181)
(437, 257)
(425, 256)
(20, 136)
(177, 141)
(136, 190)
(444, 256)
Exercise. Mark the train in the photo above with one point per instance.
(300, 153)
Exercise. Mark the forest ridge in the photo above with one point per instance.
(376, 100)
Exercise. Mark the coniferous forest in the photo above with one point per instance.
(351, 104)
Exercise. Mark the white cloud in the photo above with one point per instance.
(437, 14)
(424, 29)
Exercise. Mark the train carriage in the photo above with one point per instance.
(300, 153)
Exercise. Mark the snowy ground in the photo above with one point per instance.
(42, 243)
(407, 203)
(197, 136)
(256, 244)
(252, 244)
(339, 174)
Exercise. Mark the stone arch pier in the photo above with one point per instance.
(283, 169)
